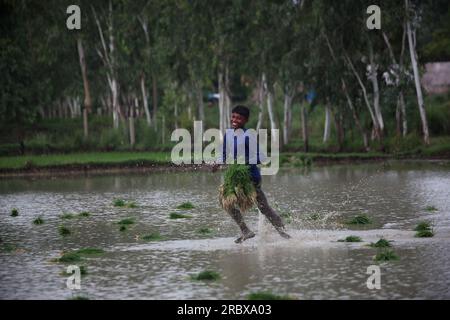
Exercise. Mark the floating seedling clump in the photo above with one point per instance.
(360, 220)
(176, 215)
(351, 239)
(66, 216)
(206, 275)
(186, 206)
(84, 214)
(382, 243)
(424, 230)
(14, 212)
(126, 222)
(204, 231)
(123, 203)
(238, 189)
(155, 236)
(386, 255)
(123, 228)
(264, 295)
(38, 221)
(64, 231)
(431, 208)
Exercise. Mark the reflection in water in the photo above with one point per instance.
(313, 265)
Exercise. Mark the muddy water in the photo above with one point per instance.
(312, 265)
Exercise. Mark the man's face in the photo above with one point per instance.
(238, 121)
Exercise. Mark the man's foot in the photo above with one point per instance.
(282, 232)
(245, 236)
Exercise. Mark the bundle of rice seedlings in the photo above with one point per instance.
(238, 189)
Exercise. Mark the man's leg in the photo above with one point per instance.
(270, 214)
(246, 232)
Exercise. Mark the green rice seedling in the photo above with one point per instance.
(64, 231)
(431, 208)
(360, 220)
(38, 221)
(424, 234)
(382, 243)
(123, 228)
(69, 257)
(66, 216)
(204, 231)
(126, 222)
(186, 206)
(176, 215)
(351, 239)
(423, 225)
(265, 295)
(131, 205)
(206, 275)
(238, 189)
(84, 214)
(119, 203)
(89, 251)
(386, 255)
(14, 212)
(155, 236)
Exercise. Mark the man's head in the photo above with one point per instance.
(239, 117)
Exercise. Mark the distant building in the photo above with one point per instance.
(436, 79)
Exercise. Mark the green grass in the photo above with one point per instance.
(90, 158)
(155, 236)
(14, 212)
(423, 226)
(382, 243)
(69, 257)
(424, 230)
(67, 216)
(265, 295)
(89, 251)
(186, 206)
(119, 203)
(38, 221)
(360, 220)
(176, 215)
(386, 255)
(206, 275)
(84, 214)
(126, 222)
(64, 231)
(351, 239)
(431, 208)
(424, 234)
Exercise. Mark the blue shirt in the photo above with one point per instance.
(250, 159)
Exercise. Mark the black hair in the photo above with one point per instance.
(242, 110)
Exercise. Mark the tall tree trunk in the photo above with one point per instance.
(356, 117)
(133, 106)
(373, 76)
(413, 54)
(261, 99)
(338, 121)
(224, 99)
(288, 97)
(145, 100)
(270, 106)
(327, 125)
(304, 119)
(87, 93)
(155, 95)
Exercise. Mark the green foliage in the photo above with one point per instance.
(67, 216)
(360, 220)
(14, 212)
(382, 243)
(155, 236)
(126, 222)
(38, 221)
(431, 208)
(238, 188)
(84, 214)
(204, 231)
(351, 239)
(206, 275)
(89, 251)
(69, 257)
(176, 215)
(64, 231)
(424, 230)
(186, 206)
(386, 255)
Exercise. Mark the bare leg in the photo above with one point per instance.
(246, 232)
(270, 214)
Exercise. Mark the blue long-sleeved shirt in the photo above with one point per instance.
(252, 155)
